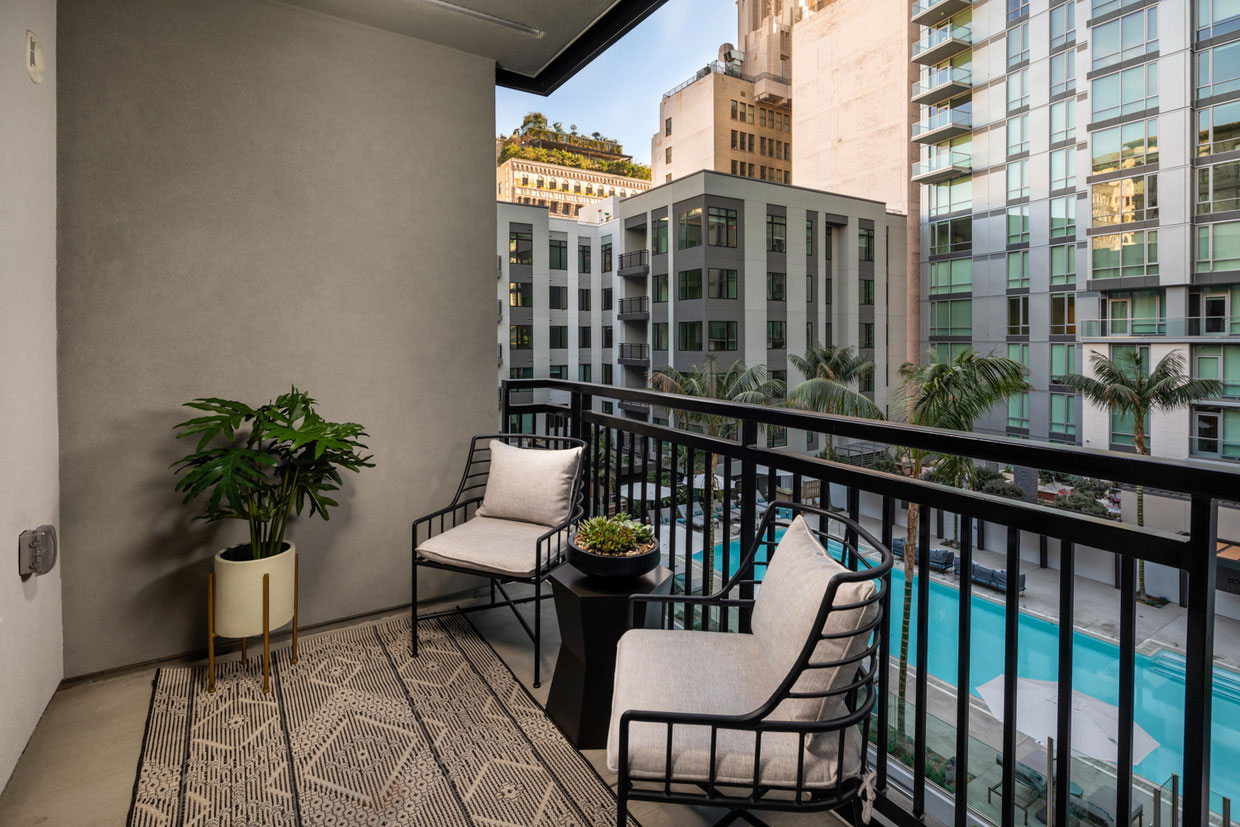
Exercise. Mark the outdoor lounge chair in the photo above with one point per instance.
(940, 558)
(776, 719)
(698, 518)
(508, 521)
(992, 578)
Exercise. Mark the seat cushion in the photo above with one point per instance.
(488, 544)
(715, 673)
(786, 611)
(534, 485)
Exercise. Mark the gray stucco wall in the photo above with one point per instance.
(251, 196)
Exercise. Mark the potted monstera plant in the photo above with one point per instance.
(262, 465)
(614, 547)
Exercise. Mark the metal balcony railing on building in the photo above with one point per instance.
(943, 126)
(1161, 327)
(634, 354)
(634, 309)
(634, 264)
(926, 757)
(941, 85)
(943, 167)
(940, 44)
(715, 68)
(934, 12)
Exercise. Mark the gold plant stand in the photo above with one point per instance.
(211, 636)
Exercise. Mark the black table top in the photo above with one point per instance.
(583, 585)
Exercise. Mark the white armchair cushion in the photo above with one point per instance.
(534, 485)
(488, 545)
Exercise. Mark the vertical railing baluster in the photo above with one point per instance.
(673, 479)
(708, 533)
(749, 507)
(689, 503)
(1127, 685)
(725, 614)
(922, 562)
(629, 474)
(884, 644)
(645, 477)
(1199, 651)
(1011, 631)
(963, 678)
(850, 534)
(593, 469)
(1067, 621)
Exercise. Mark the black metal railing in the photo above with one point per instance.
(635, 306)
(637, 258)
(703, 490)
(630, 352)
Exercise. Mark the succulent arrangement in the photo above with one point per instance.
(618, 536)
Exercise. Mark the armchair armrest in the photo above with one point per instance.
(429, 519)
(716, 599)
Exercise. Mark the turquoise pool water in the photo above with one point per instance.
(1159, 698)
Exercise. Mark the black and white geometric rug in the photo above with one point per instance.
(359, 733)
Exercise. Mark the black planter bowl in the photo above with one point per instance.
(611, 567)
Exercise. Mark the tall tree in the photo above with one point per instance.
(953, 394)
(833, 376)
(1130, 387)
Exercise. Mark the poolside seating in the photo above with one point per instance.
(699, 515)
(940, 558)
(992, 578)
(1030, 783)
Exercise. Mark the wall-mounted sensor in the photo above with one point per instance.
(35, 66)
(36, 551)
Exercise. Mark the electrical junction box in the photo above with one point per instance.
(36, 551)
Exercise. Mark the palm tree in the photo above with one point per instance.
(737, 383)
(1126, 386)
(832, 376)
(952, 394)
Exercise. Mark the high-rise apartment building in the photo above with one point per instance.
(708, 264)
(734, 115)
(1080, 197)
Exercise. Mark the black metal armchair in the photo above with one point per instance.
(457, 538)
(775, 719)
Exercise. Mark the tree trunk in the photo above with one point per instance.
(910, 545)
(1138, 440)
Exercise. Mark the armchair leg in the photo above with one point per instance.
(413, 609)
(622, 808)
(537, 633)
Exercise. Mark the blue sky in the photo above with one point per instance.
(619, 93)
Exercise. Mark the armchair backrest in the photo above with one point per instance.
(477, 474)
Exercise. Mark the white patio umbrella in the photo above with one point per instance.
(699, 482)
(1095, 723)
(653, 491)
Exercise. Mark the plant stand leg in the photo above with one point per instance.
(210, 632)
(266, 633)
(295, 561)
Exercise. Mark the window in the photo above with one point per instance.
(1063, 314)
(1063, 264)
(609, 374)
(658, 287)
(1217, 17)
(583, 257)
(1124, 254)
(558, 371)
(1125, 199)
(1063, 24)
(667, 126)
(1125, 38)
(1018, 224)
(1122, 147)
(1017, 89)
(1018, 411)
(1063, 73)
(1019, 353)
(667, 155)
(734, 105)
(520, 294)
(1017, 44)
(689, 229)
(689, 336)
(954, 276)
(1063, 360)
(689, 285)
(722, 336)
(867, 336)
(1125, 93)
(1018, 316)
(1063, 168)
(521, 373)
(954, 235)
(1218, 362)
(583, 299)
(1018, 269)
(776, 287)
(776, 335)
(809, 237)
(867, 292)
(1063, 216)
(826, 243)
(734, 147)
(951, 318)
(558, 298)
(559, 254)
(605, 249)
(1218, 188)
(952, 196)
(658, 236)
(865, 244)
(1218, 70)
(1063, 414)
(608, 336)
(520, 247)
(559, 336)
(721, 284)
(520, 337)
(1063, 121)
(776, 436)
(776, 233)
(1218, 247)
(583, 338)
(658, 336)
(585, 373)
(1018, 179)
(720, 227)
(1018, 134)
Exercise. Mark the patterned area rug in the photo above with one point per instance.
(359, 733)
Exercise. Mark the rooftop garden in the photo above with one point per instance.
(526, 142)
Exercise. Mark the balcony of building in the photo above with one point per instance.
(633, 309)
(635, 264)
(942, 166)
(769, 87)
(634, 354)
(943, 126)
(1161, 327)
(638, 409)
(941, 44)
(941, 85)
(934, 12)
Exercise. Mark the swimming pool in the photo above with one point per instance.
(1159, 695)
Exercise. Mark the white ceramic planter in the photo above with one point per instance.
(239, 593)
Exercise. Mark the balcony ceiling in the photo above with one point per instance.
(574, 31)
